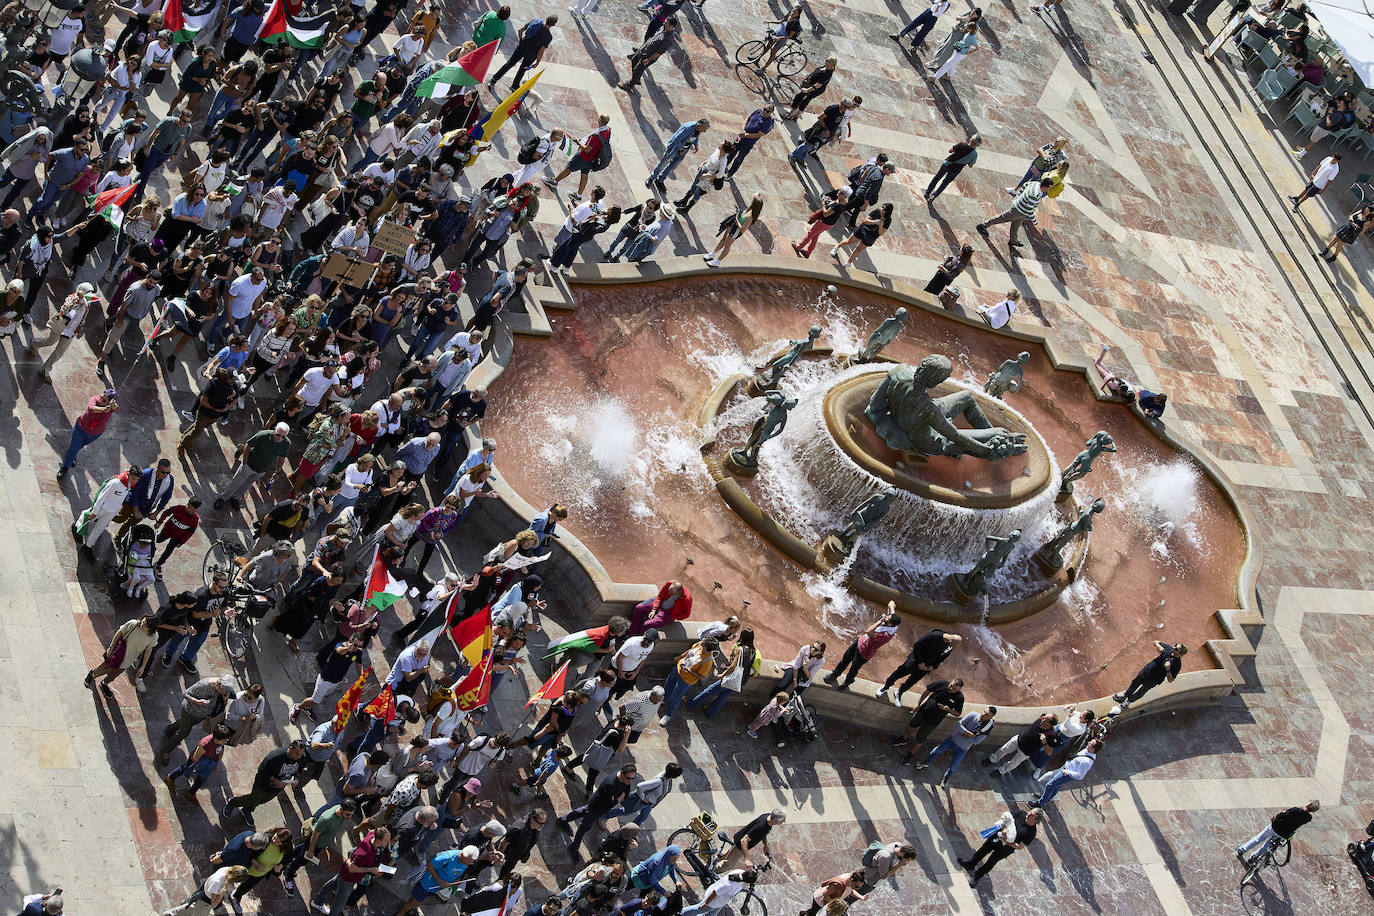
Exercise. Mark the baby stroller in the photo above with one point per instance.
(136, 561)
(798, 722)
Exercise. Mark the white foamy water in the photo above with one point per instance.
(995, 650)
(1161, 500)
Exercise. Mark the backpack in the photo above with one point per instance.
(872, 851)
(529, 151)
(603, 156)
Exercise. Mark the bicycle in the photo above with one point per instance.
(704, 846)
(751, 896)
(789, 61)
(1275, 855)
(243, 605)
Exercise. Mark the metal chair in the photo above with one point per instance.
(1251, 42)
(1275, 84)
(1306, 117)
(1269, 56)
(1363, 190)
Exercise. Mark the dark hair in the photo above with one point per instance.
(673, 770)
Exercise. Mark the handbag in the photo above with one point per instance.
(114, 656)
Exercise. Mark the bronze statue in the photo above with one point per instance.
(1080, 466)
(1008, 377)
(885, 334)
(865, 515)
(746, 459)
(908, 419)
(969, 585)
(768, 377)
(1048, 557)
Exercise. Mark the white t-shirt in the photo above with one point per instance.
(408, 48)
(1325, 172)
(275, 203)
(216, 883)
(464, 340)
(243, 295)
(353, 481)
(316, 384)
(631, 655)
(467, 488)
(481, 751)
(65, 35)
(999, 314)
(723, 891)
(157, 54)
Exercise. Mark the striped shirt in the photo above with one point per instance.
(1027, 199)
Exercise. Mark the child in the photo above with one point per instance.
(544, 770)
(203, 761)
(769, 713)
(141, 570)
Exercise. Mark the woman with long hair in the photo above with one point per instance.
(869, 230)
(952, 267)
(734, 226)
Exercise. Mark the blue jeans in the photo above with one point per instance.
(425, 341)
(154, 160)
(340, 890)
(1057, 781)
(674, 689)
(193, 644)
(921, 25)
(221, 323)
(51, 192)
(627, 234)
(80, 439)
(742, 149)
(717, 695)
(949, 744)
(640, 817)
(199, 772)
(220, 107)
(671, 157)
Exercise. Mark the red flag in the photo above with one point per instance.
(349, 701)
(474, 690)
(274, 22)
(383, 706)
(173, 20)
(553, 688)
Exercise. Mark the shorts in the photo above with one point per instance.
(420, 894)
(1320, 133)
(578, 164)
(1311, 190)
(323, 689)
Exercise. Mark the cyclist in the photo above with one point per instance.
(719, 895)
(783, 30)
(1281, 826)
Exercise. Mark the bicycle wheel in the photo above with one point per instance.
(697, 852)
(235, 640)
(1281, 854)
(1252, 871)
(750, 52)
(753, 905)
(754, 80)
(219, 558)
(792, 60)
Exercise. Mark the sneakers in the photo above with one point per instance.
(294, 715)
(897, 741)
(157, 572)
(981, 228)
(166, 661)
(190, 667)
(881, 693)
(289, 886)
(751, 733)
(228, 810)
(89, 679)
(897, 700)
(829, 678)
(1011, 191)
(188, 416)
(1293, 200)
(1299, 152)
(319, 906)
(1121, 697)
(944, 781)
(920, 766)
(105, 689)
(663, 721)
(62, 472)
(140, 686)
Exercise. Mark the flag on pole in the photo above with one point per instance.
(110, 204)
(553, 688)
(587, 641)
(468, 70)
(473, 639)
(382, 589)
(474, 690)
(383, 706)
(279, 25)
(349, 701)
(501, 113)
(184, 26)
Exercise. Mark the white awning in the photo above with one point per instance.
(1350, 24)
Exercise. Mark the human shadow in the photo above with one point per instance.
(599, 57)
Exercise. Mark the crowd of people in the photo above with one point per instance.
(250, 165)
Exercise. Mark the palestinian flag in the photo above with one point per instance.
(183, 26)
(382, 590)
(553, 688)
(110, 204)
(383, 706)
(349, 701)
(586, 641)
(468, 70)
(279, 25)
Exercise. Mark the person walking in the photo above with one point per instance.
(757, 126)
(532, 43)
(683, 141)
(1321, 176)
(264, 453)
(709, 175)
(662, 42)
(971, 730)
(833, 891)
(66, 325)
(811, 88)
(204, 760)
(922, 24)
(866, 181)
(1163, 667)
(1015, 830)
(872, 227)
(214, 890)
(927, 654)
(593, 154)
(961, 155)
(1073, 770)
(1022, 746)
(1281, 826)
(734, 226)
(1356, 225)
(862, 650)
(963, 47)
(599, 804)
(205, 699)
(361, 862)
(882, 861)
(940, 700)
(1022, 210)
(129, 649)
(824, 217)
(278, 771)
(1048, 158)
(690, 668)
(89, 427)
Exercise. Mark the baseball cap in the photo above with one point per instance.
(651, 635)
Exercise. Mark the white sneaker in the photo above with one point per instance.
(897, 700)
(1299, 152)
(140, 686)
(663, 721)
(882, 692)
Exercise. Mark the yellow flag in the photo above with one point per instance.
(501, 112)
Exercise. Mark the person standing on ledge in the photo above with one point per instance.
(862, 649)
(925, 656)
(1163, 667)
(1281, 826)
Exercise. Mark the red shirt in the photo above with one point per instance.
(364, 856)
(211, 750)
(595, 140)
(179, 523)
(93, 422)
(368, 435)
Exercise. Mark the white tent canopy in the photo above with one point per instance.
(1350, 24)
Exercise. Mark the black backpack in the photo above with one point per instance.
(603, 156)
(529, 151)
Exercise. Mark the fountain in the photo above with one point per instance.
(836, 520)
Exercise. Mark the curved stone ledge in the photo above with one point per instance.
(1190, 689)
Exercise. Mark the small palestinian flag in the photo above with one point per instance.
(110, 204)
(382, 590)
(183, 26)
(468, 70)
(587, 641)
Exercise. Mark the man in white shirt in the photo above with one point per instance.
(629, 659)
(471, 341)
(243, 297)
(353, 238)
(422, 141)
(922, 24)
(65, 36)
(1073, 771)
(544, 152)
(384, 171)
(1321, 176)
(315, 383)
(719, 895)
